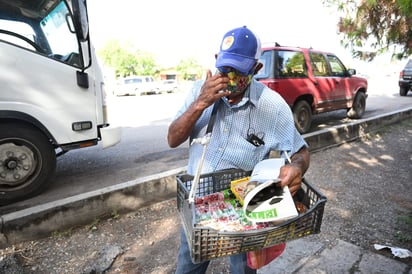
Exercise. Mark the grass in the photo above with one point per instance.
(404, 234)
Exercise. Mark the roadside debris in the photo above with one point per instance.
(396, 251)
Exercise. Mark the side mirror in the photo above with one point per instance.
(80, 20)
(351, 72)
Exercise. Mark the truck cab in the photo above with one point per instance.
(52, 94)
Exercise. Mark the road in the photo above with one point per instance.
(143, 150)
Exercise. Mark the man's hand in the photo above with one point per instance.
(291, 175)
(212, 90)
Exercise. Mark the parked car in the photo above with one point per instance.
(168, 86)
(405, 79)
(136, 85)
(312, 82)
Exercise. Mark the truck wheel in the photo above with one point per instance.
(358, 107)
(403, 91)
(302, 115)
(27, 162)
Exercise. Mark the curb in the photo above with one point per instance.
(42, 220)
(337, 135)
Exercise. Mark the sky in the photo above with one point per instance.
(180, 29)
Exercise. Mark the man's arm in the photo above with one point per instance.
(292, 174)
(301, 160)
(180, 129)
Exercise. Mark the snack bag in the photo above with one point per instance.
(240, 188)
(259, 258)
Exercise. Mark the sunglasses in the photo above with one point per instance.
(227, 70)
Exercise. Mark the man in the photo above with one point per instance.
(251, 121)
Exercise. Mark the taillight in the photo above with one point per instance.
(401, 74)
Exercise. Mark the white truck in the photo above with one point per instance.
(52, 96)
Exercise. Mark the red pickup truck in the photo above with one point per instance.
(312, 82)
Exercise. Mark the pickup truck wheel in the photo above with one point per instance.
(302, 115)
(27, 162)
(403, 91)
(358, 107)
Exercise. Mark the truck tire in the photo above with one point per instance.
(403, 91)
(27, 162)
(302, 114)
(358, 107)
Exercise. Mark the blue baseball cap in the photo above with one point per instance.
(240, 49)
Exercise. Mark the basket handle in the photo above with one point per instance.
(205, 140)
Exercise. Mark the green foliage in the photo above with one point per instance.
(115, 214)
(404, 233)
(127, 61)
(373, 27)
(62, 234)
(93, 224)
(189, 69)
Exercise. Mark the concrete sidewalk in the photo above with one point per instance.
(337, 257)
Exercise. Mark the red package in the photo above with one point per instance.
(259, 258)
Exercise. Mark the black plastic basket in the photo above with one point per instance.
(206, 243)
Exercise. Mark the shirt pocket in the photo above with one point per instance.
(247, 155)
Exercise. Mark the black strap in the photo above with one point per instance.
(212, 117)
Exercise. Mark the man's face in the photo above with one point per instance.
(238, 82)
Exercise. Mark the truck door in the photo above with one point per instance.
(323, 83)
(340, 78)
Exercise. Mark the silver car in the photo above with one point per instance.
(168, 86)
(137, 85)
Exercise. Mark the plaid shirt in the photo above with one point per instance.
(262, 112)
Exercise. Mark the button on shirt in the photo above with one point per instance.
(261, 111)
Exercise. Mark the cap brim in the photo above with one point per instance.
(238, 62)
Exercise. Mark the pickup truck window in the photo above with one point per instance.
(291, 64)
(336, 66)
(319, 64)
(266, 61)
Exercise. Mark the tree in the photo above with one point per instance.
(189, 69)
(373, 27)
(127, 61)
